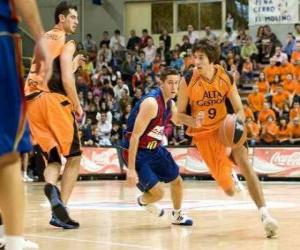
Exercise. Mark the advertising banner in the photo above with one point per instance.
(277, 162)
(100, 161)
(273, 12)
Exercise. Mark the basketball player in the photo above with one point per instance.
(146, 159)
(52, 108)
(12, 112)
(205, 89)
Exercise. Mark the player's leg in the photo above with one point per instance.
(240, 155)
(12, 201)
(215, 157)
(69, 177)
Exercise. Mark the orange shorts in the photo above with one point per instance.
(52, 124)
(213, 152)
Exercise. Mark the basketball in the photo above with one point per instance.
(232, 132)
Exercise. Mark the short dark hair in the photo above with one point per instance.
(167, 72)
(208, 47)
(64, 9)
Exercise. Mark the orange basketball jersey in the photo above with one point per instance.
(55, 42)
(209, 97)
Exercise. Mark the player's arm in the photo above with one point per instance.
(236, 103)
(148, 111)
(29, 12)
(179, 116)
(68, 80)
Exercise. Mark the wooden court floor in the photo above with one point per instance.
(110, 219)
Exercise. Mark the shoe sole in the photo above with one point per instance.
(271, 230)
(62, 225)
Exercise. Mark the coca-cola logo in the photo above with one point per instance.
(291, 160)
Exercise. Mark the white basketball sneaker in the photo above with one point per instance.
(151, 208)
(270, 225)
(27, 244)
(179, 218)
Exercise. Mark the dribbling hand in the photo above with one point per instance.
(199, 119)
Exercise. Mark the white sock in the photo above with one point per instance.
(263, 211)
(1, 231)
(14, 243)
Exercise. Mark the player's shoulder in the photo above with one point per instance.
(225, 75)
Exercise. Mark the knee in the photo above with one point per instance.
(177, 182)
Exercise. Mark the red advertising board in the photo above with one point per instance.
(100, 161)
(277, 162)
(272, 162)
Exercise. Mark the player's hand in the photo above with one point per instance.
(42, 59)
(198, 120)
(131, 177)
(78, 111)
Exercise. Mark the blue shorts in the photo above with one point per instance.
(12, 115)
(153, 166)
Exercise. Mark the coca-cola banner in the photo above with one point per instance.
(100, 161)
(277, 162)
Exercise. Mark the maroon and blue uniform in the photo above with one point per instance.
(154, 162)
(12, 119)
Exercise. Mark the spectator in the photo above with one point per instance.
(229, 21)
(116, 133)
(285, 69)
(192, 34)
(295, 111)
(177, 62)
(104, 128)
(297, 31)
(279, 56)
(279, 99)
(106, 51)
(289, 45)
(252, 131)
(89, 44)
(269, 131)
(133, 40)
(265, 113)
(163, 52)
(117, 41)
(249, 49)
(185, 44)
(138, 77)
(271, 70)
(150, 51)
(295, 131)
(137, 96)
(124, 101)
(262, 84)
(289, 84)
(256, 101)
(284, 132)
(144, 39)
(248, 112)
(105, 39)
(209, 34)
(119, 88)
(166, 38)
(247, 72)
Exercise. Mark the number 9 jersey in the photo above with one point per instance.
(208, 96)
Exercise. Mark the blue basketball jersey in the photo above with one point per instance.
(8, 17)
(153, 135)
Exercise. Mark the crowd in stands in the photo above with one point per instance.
(119, 72)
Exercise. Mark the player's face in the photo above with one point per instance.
(71, 22)
(201, 61)
(170, 86)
